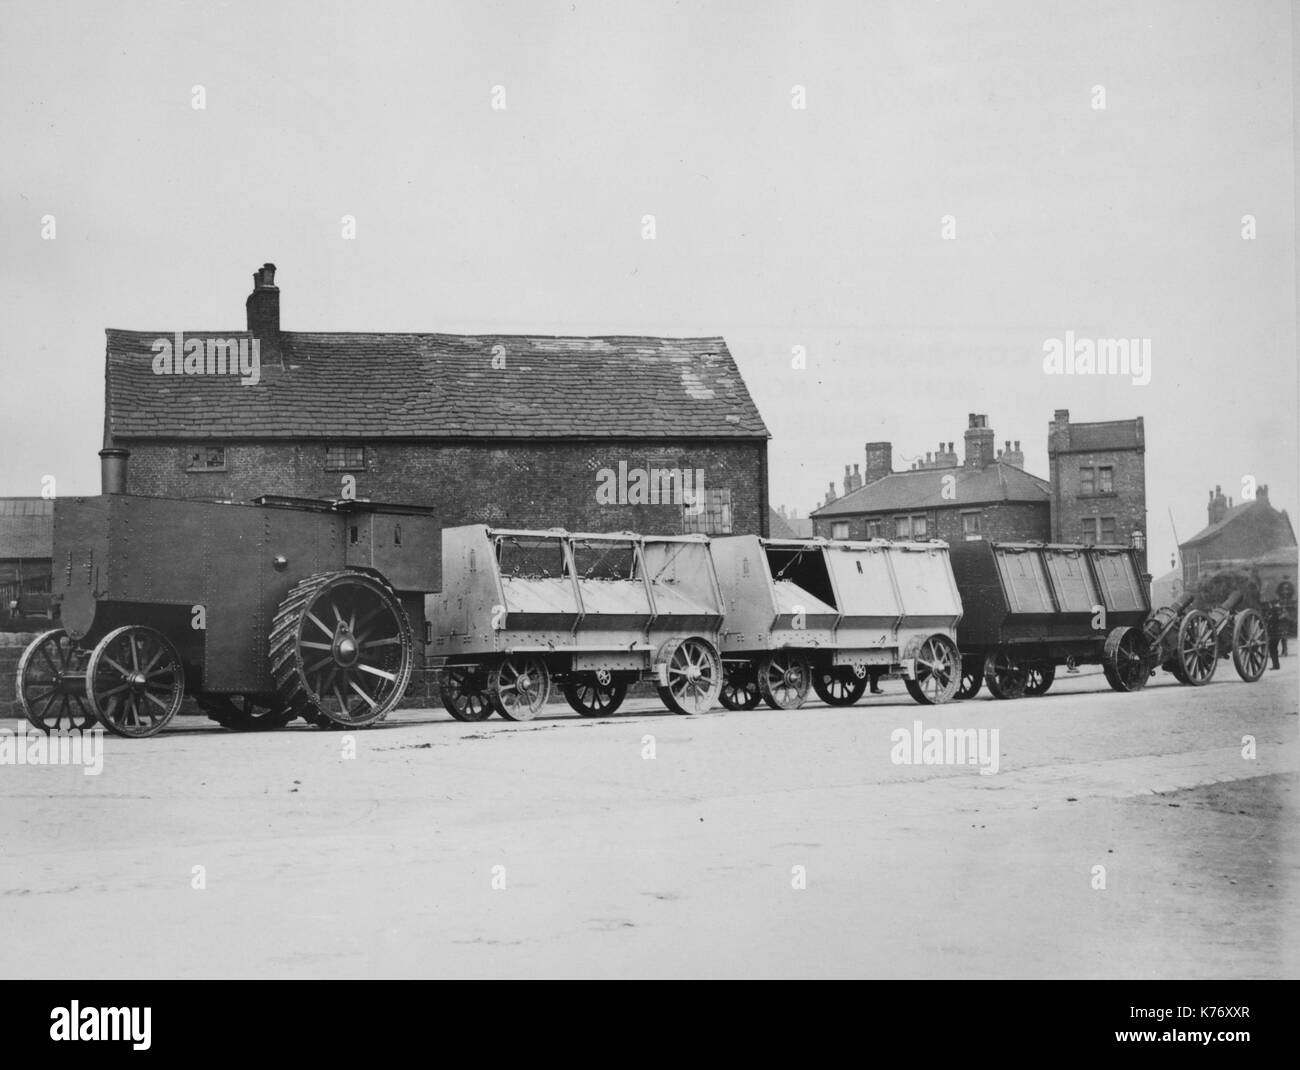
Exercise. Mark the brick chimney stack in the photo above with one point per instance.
(1261, 493)
(263, 308)
(880, 461)
(979, 442)
(1218, 505)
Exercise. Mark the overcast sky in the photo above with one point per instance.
(776, 227)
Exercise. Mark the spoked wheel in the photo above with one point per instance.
(784, 679)
(1041, 675)
(972, 678)
(135, 681)
(341, 649)
(1197, 653)
(938, 672)
(1126, 659)
(1006, 673)
(841, 686)
(246, 713)
(464, 693)
(1249, 645)
(739, 686)
(594, 694)
(693, 671)
(519, 688)
(52, 684)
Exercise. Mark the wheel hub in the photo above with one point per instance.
(346, 649)
(137, 681)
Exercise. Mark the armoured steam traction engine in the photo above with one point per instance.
(521, 610)
(263, 612)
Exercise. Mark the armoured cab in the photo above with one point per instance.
(265, 611)
(521, 609)
(808, 613)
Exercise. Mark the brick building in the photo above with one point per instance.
(616, 433)
(988, 495)
(1098, 478)
(1254, 537)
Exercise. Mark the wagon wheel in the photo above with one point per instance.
(594, 694)
(693, 670)
(1249, 645)
(938, 672)
(841, 686)
(519, 688)
(341, 649)
(1041, 675)
(972, 678)
(1006, 673)
(1197, 652)
(52, 684)
(739, 686)
(1126, 659)
(135, 681)
(464, 694)
(246, 713)
(784, 679)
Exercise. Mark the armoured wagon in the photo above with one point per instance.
(804, 614)
(523, 610)
(262, 612)
(1029, 607)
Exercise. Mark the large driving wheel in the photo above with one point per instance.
(739, 686)
(1197, 652)
(341, 649)
(1041, 675)
(52, 684)
(594, 694)
(135, 681)
(246, 713)
(519, 688)
(938, 672)
(693, 671)
(1126, 659)
(1006, 673)
(784, 679)
(841, 686)
(1249, 645)
(464, 693)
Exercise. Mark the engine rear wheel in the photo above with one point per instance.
(341, 649)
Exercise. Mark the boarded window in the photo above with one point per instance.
(714, 518)
(1088, 530)
(1108, 530)
(840, 530)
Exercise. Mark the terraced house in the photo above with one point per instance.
(520, 431)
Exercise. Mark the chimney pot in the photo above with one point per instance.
(112, 470)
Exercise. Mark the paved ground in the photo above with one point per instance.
(610, 863)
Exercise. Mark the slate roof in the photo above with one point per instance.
(26, 528)
(923, 489)
(1237, 512)
(366, 386)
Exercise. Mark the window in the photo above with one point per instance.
(1108, 530)
(970, 526)
(910, 527)
(875, 529)
(1106, 480)
(345, 458)
(207, 459)
(1088, 530)
(1087, 481)
(840, 529)
(714, 518)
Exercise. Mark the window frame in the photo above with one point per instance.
(345, 465)
(198, 469)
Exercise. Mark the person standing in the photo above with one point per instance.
(1286, 596)
(1273, 620)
